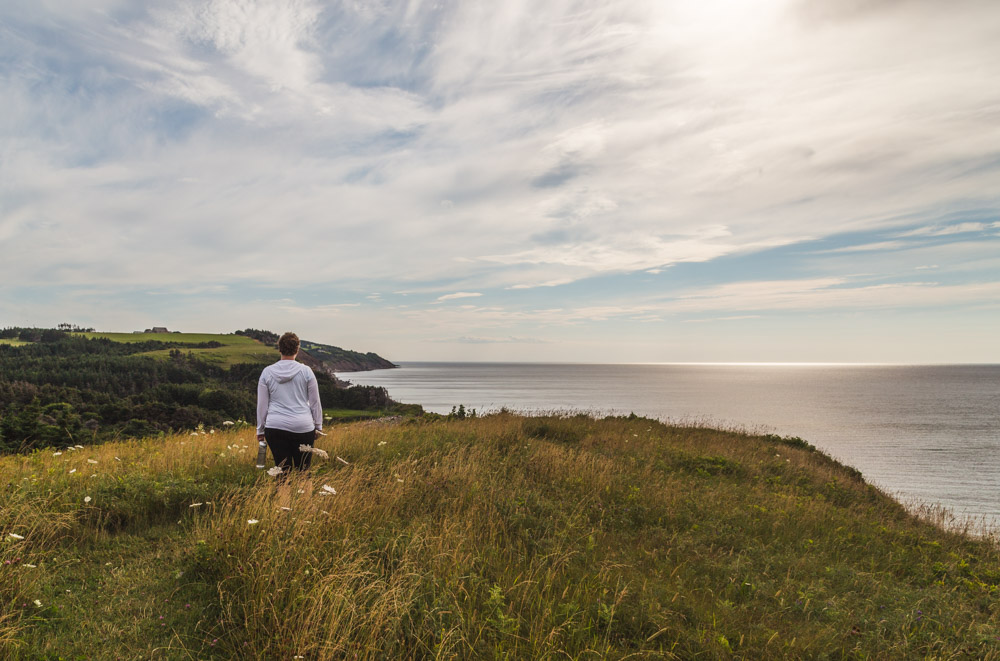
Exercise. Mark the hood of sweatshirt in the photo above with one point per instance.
(285, 370)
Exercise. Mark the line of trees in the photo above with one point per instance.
(64, 389)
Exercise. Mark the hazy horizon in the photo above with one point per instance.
(618, 181)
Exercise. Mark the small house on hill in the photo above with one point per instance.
(157, 329)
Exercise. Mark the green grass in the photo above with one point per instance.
(345, 415)
(235, 349)
(224, 338)
(495, 537)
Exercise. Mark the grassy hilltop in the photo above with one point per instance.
(493, 537)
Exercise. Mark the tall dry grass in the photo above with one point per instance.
(514, 537)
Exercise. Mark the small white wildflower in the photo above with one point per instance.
(31, 566)
(301, 491)
(343, 461)
(91, 461)
(72, 471)
(212, 431)
(399, 479)
(194, 433)
(228, 423)
(328, 489)
(78, 447)
(94, 475)
(71, 449)
(107, 564)
(38, 603)
(56, 454)
(274, 471)
(253, 521)
(195, 505)
(381, 443)
(14, 535)
(324, 512)
(117, 459)
(87, 499)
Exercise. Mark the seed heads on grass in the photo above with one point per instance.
(316, 451)
(343, 461)
(252, 522)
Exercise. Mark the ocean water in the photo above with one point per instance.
(925, 434)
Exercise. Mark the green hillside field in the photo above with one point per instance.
(496, 537)
(236, 348)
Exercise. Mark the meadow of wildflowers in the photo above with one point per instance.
(494, 537)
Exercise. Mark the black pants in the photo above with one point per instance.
(285, 447)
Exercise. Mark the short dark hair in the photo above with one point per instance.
(288, 344)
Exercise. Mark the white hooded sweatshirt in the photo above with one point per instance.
(288, 398)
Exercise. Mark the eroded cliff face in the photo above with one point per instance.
(330, 360)
(326, 358)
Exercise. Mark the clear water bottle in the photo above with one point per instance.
(261, 453)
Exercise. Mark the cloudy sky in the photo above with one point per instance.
(568, 180)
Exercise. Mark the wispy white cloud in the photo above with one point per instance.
(878, 246)
(550, 283)
(459, 294)
(470, 339)
(738, 317)
(948, 230)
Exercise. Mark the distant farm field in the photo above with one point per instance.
(173, 337)
(12, 342)
(235, 348)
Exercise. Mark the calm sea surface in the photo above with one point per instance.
(926, 434)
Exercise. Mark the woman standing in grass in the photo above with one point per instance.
(288, 408)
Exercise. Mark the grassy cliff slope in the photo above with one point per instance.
(493, 537)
